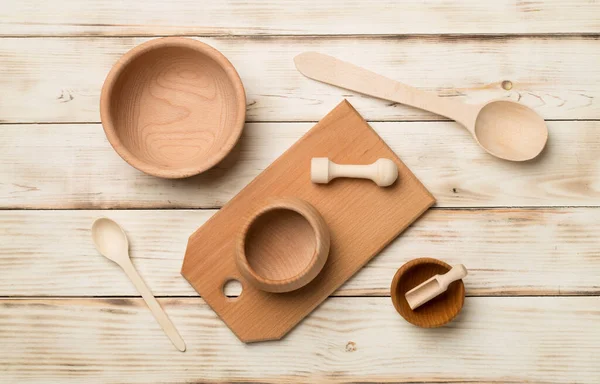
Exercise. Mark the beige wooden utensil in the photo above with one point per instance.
(382, 172)
(504, 128)
(433, 287)
(111, 242)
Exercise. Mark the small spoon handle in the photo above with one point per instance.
(332, 71)
(155, 308)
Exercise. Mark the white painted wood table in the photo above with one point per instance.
(529, 233)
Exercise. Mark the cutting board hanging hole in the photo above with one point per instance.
(232, 289)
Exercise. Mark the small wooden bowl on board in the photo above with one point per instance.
(436, 312)
(283, 246)
(173, 107)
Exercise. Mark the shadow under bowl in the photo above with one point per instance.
(173, 107)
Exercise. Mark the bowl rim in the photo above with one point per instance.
(403, 270)
(167, 42)
(318, 258)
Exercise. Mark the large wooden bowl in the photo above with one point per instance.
(173, 107)
(283, 246)
(439, 310)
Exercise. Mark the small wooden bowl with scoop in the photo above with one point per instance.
(428, 292)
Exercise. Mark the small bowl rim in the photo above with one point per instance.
(168, 42)
(402, 271)
(317, 261)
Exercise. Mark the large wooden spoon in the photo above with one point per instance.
(504, 128)
(111, 242)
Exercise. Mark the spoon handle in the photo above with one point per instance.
(155, 308)
(336, 72)
(456, 273)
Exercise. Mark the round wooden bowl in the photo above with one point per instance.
(283, 246)
(436, 312)
(173, 107)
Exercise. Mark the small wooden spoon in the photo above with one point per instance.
(111, 242)
(504, 128)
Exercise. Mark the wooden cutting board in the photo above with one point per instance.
(362, 218)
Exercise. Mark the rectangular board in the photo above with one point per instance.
(362, 218)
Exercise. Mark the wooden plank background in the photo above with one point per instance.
(442, 155)
(308, 17)
(347, 340)
(492, 242)
(527, 232)
(557, 76)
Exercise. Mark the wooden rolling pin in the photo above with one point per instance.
(383, 172)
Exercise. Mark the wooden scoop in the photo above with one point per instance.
(433, 287)
(504, 128)
(111, 242)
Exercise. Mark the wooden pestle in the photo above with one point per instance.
(383, 172)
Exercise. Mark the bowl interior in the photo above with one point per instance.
(174, 107)
(436, 312)
(280, 244)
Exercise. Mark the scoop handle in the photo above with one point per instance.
(336, 72)
(367, 171)
(456, 273)
(159, 314)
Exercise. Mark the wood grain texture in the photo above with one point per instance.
(173, 107)
(283, 245)
(313, 17)
(81, 170)
(557, 77)
(111, 242)
(346, 340)
(361, 217)
(507, 251)
(504, 128)
(467, 50)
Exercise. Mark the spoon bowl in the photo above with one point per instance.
(110, 240)
(510, 130)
